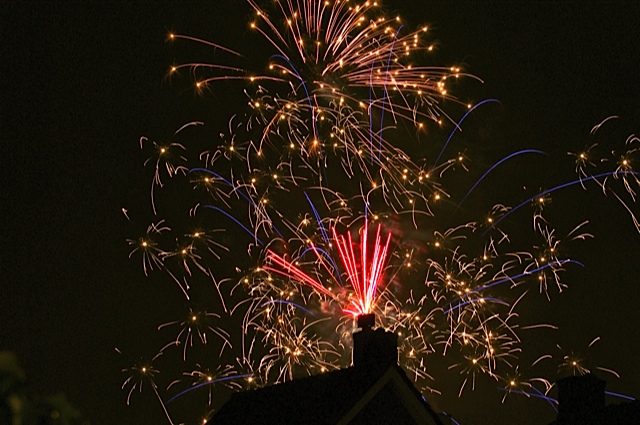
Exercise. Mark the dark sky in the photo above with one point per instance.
(81, 83)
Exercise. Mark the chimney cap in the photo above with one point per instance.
(366, 321)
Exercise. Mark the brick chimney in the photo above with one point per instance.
(373, 348)
(580, 395)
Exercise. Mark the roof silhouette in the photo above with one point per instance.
(375, 390)
(350, 396)
(582, 401)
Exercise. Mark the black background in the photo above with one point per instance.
(82, 82)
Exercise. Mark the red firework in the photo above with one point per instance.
(364, 271)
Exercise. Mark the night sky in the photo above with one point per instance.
(82, 83)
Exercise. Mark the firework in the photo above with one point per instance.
(331, 139)
(364, 276)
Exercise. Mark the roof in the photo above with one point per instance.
(627, 413)
(356, 395)
(582, 401)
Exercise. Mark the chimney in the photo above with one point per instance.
(580, 395)
(373, 348)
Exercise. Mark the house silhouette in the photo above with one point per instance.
(581, 401)
(374, 390)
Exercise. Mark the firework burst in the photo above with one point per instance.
(331, 140)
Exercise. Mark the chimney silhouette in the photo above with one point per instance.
(373, 348)
(580, 395)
